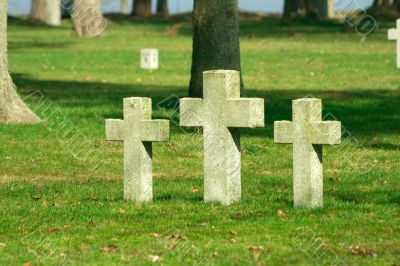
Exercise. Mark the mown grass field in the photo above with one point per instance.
(57, 208)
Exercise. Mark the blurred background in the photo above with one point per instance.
(22, 7)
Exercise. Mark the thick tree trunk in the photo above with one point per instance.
(319, 9)
(47, 11)
(291, 8)
(162, 8)
(38, 10)
(87, 18)
(215, 40)
(141, 8)
(12, 108)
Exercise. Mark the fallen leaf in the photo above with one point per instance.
(256, 255)
(155, 235)
(154, 258)
(233, 233)
(359, 251)
(214, 254)
(189, 154)
(195, 189)
(281, 213)
(109, 248)
(53, 230)
(36, 197)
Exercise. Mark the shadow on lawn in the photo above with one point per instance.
(364, 113)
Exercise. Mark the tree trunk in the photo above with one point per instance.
(141, 8)
(12, 108)
(38, 10)
(291, 8)
(87, 18)
(47, 11)
(162, 8)
(215, 40)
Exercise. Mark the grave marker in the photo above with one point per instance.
(307, 133)
(221, 113)
(137, 131)
(394, 35)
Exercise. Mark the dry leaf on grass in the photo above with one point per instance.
(281, 213)
(360, 251)
(256, 255)
(109, 248)
(154, 258)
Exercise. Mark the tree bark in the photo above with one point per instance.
(162, 8)
(38, 10)
(215, 40)
(47, 11)
(141, 8)
(87, 18)
(291, 8)
(12, 108)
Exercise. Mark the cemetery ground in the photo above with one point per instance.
(59, 207)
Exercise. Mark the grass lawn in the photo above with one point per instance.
(59, 208)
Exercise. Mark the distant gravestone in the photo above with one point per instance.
(53, 10)
(137, 131)
(307, 133)
(149, 59)
(394, 35)
(221, 113)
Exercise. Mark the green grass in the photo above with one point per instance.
(57, 209)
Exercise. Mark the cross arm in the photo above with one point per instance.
(246, 112)
(154, 130)
(114, 130)
(191, 112)
(283, 132)
(327, 132)
(393, 34)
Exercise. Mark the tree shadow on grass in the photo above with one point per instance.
(364, 113)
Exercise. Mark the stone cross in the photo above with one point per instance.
(221, 113)
(394, 35)
(307, 133)
(149, 59)
(137, 131)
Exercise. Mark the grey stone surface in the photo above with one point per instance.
(137, 131)
(221, 113)
(149, 59)
(307, 133)
(394, 35)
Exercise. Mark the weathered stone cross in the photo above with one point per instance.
(137, 131)
(221, 113)
(394, 35)
(307, 133)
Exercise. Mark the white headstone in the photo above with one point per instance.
(307, 133)
(394, 35)
(221, 113)
(53, 10)
(137, 131)
(149, 59)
